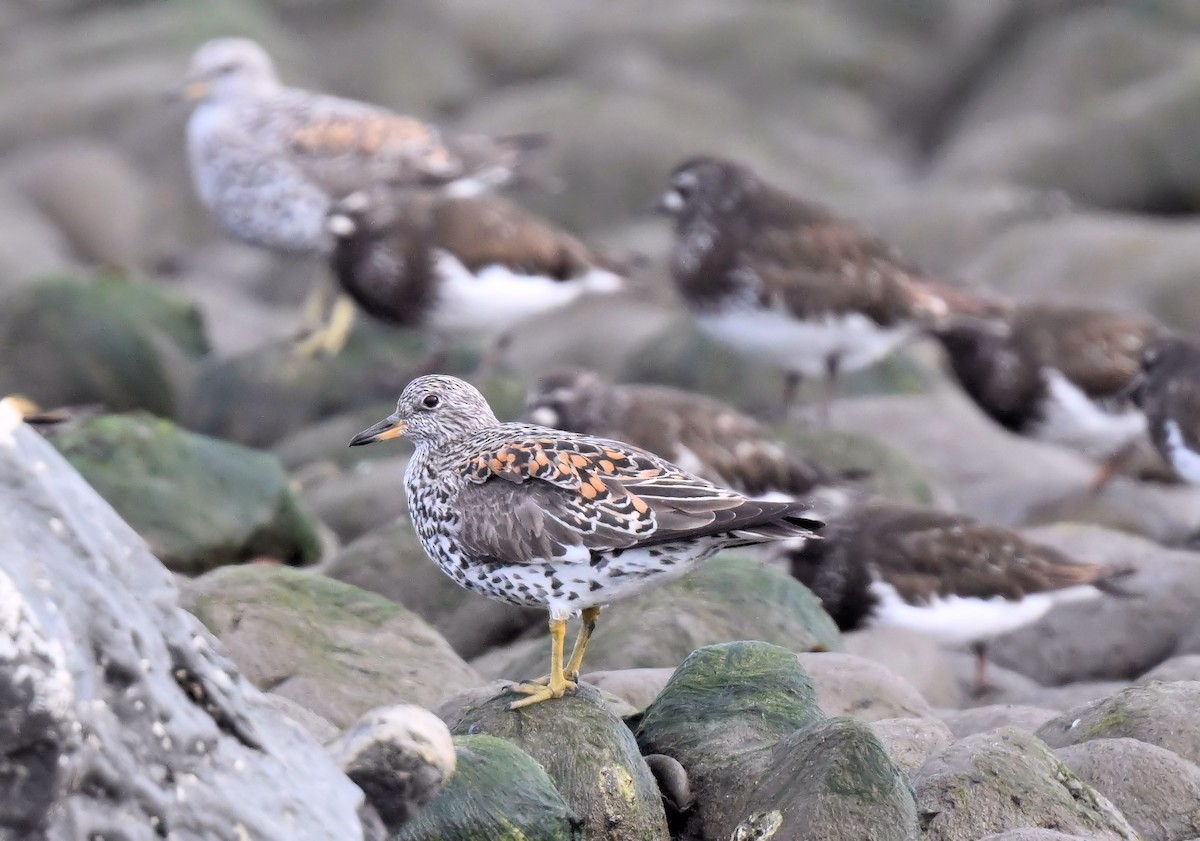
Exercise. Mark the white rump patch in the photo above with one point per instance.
(960, 620)
(1185, 462)
(1074, 420)
(804, 346)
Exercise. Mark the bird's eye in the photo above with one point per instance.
(431, 401)
(226, 69)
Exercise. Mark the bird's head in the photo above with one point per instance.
(570, 399)
(705, 188)
(433, 411)
(229, 69)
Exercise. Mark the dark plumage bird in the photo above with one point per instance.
(1168, 391)
(950, 576)
(788, 281)
(474, 266)
(698, 433)
(545, 518)
(1057, 373)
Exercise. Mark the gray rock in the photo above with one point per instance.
(31, 248)
(330, 647)
(200, 503)
(390, 561)
(861, 688)
(1158, 791)
(323, 446)
(1006, 685)
(589, 754)
(400, 756)
(741, 718)
(1007, 779)
(1163, 714)
(1033, 835)
(1183, 667)
(497, 791)
(984, 719)
(637, 687)
(318, 728)
(120, 710)
(122, 344)
(916, 658)
(911, 741)
(1109, 638)
(1069, 696)
(1013, 481)
(361, 498)
(728, 598)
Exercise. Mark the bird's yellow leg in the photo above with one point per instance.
(558, 684)
(316, 305)
(329, 337)
(571, 670)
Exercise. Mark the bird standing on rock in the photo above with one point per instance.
(544, 518)
(788, 281)
(1167, 388)
(460, 266)
(269, 160)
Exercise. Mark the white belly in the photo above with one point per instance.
(1185, 462)
(804, 346)
(497, 298)
(959, 620)
(1073, 420)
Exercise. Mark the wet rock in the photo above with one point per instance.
(497, 791)
(200, 503)
(120, 712)
(1007, 779)
(122, 344)
(589, 754)
(1109, 638)
(400, 756)
(861, 688)
(926, 666)
(638, 687)
(391, 562)
(911, 741)
(1154, 788)
(728, 598)
(985, 719)
(1163, 714)
(330, 647)
(761, 757)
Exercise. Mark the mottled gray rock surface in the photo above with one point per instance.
(122, 712)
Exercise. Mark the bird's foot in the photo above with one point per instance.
(537, 692)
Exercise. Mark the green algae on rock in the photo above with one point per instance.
(199, 502)
(120, 343)
(589, 753)
(498, 793)
(332, 648)
(762, 758)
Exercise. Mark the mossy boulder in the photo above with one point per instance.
(729, 598)
(762, 758)
(390, 561)
(1008, 779)
(118, 343)
(1163, 714)
(332, 648)
(498, 793)
(590, 755)
(200, 503)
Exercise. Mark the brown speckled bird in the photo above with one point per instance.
(950, 576)
(786, 280)
(544, 518)
(698, 433)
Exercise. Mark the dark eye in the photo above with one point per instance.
(226, 69)
(431, 401)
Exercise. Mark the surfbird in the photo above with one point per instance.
(1168, 390)
(1058, 373)
(949, 576)
(698, 433)
(468, 267)
(545, 518)
(268, 160)
(786, 280)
